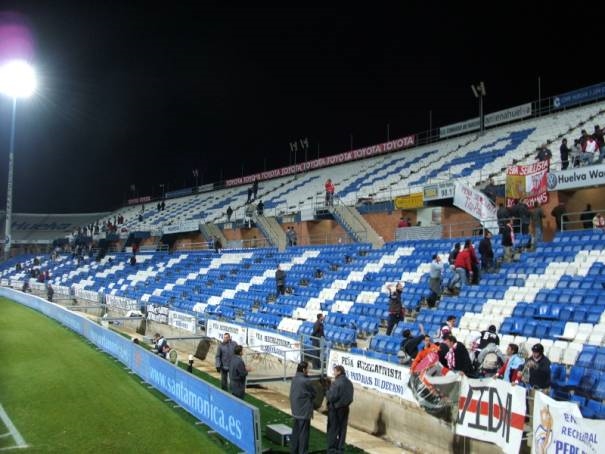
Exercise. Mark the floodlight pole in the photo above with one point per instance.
(9, 190)
(479, 92)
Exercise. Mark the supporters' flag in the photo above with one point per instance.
(528, 184)
(493, 411)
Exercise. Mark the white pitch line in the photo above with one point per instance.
(12, 429)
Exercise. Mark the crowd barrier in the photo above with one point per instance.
(232, 418)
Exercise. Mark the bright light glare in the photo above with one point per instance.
(17, 79)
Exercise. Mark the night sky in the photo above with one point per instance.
(142, 94)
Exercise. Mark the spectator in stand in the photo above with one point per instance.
(163, 205)
(410, 344)
(463, 266)
(508, 241)
(576, 152)
(487, 252)
(396, 311)
(511, 370)
(260, 208)
(536, 376)
(447, 326)
(302, 394)
(488, 336)
(429, 347)
(222, 359)
(490, 190)
(598, 222)
(598, 137)
(329, 192)
(453, 254)
(435, 277)
(503, 214)
(474, 279)
(544, 154)
(218, 246)
(558, 213)
(249, 195)
(458, 358)
(317, 334)
(255, 188)
(536, 216)
(280, 280)
(293, 236)
(587, 216)
(565, 153)
(590, 151)
(159, 206)
(229, 213)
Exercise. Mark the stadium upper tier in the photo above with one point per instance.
(470, 159)
(551, 296)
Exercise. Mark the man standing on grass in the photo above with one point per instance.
(238, 371)
(339, 397)
(302, 394)
(224, 353)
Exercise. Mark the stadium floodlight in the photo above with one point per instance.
(479, 92)
(17, 80)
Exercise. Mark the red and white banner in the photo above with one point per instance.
(136, 200)
(492, 411)
(476, 204)
(527, 183)
(386, 147)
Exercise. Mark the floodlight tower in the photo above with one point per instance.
(479, 92)
(17, 80)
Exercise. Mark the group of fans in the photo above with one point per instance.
(429, 358)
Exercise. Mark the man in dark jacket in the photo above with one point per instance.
(396, 311)
(457, 358)
(339, 397)
(487, 252)
(317, 334)
(302, 394)
(237, 373)
(508, 240)
(502, 214)
(280, 280)
(410, 343)
(222, 360)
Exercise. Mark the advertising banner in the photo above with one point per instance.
(439, 191)
(527, 183)
(406, 202)
(157, 313)
(182, 321)
(372, 373)
(274, 344)
(492, 411)
(477, 205)
(121, 302)
(386, 147)
(229, 416)
(578, 177)
(216, 329)
(572, 98)
(185, 226)
(559, 427)
(494, 118)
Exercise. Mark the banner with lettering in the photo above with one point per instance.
(559, 427)
(217, 328)
(492, 411)
(372, 150)
(527, 183)
(274, 344)
(182, 321)
(477, 205)
(372, 373)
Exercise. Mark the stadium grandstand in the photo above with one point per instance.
(190, 267)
